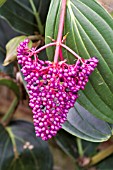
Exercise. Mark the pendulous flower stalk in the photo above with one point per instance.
(53, 86)
(60, 30)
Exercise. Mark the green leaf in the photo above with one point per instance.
(2, 2)
(6, 33)
(84, 125)
(24, 19)
(10, 84)
(106, 164)
(67, 143)
(11, 49)
(52, 26)
(111, 13)
(21, 149)
(90, 30)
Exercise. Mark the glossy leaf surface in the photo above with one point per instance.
(24, 20)
(21, 149)
(67, 142)
(69, 145)
(84, 125)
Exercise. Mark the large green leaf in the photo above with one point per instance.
(6, 33)
(21, 16)
(21, 150)
(84, 125)
(90, 30)
(11, 85)
(67, 142)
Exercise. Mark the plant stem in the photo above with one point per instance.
(101, 155)
(60, 50)
(40, 26)
(60, 30)
(80, 149)
(16, 154)
(10, 112)
(45, 46)
(71, 51)
(61, 55)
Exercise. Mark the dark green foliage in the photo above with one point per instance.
(15, 143)
(83, 124)
(23, 16)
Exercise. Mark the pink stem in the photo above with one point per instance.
(71, 51)
(60, 54)
(45, 46)
(60, 30)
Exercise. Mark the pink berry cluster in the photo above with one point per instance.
(53, 88)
